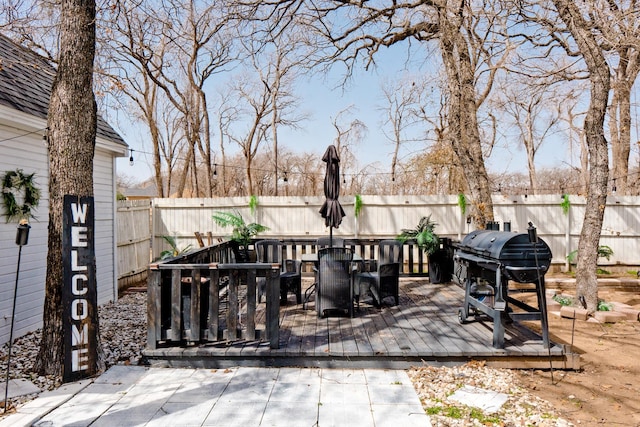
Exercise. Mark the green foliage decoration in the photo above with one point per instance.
(253, 204)
(565, 204)
(357, 205)
(242, 232)
(14, 182)
(462, 203)
(423, 234)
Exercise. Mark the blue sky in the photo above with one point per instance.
(323, 100)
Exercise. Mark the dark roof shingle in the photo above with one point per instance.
(25, 84)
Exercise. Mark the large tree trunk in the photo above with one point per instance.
(72, 135)
(599, 77)
(463, 120)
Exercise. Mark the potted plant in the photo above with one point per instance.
(241, 234)
(429, 242)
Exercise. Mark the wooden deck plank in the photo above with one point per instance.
(477, 329)
(422, 319)
(347, 336)
(433, 309)
(418, 341)
(293, 323)
(477, 334)
(403, 346)
(321, 342)
(385, 334)
(308, 340)
(423, 327)
(335, 338)
(464, 336)
(364, 342)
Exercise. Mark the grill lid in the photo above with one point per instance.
(510, 249)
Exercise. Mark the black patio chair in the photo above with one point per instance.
(270, 251)
(321, 243)
(383, 276)
(326, 242)
(334, 290)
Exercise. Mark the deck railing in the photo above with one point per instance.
(184, 303)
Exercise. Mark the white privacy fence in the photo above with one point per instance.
(385, 216)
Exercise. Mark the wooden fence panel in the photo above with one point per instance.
(133, 221)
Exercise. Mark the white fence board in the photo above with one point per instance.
(385, 216)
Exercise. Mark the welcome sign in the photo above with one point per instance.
(79, 296)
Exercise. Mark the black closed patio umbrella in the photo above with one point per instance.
(331, 209)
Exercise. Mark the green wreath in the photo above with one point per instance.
(14, 182)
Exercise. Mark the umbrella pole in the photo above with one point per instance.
(330, 237)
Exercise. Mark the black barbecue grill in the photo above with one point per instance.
(484, 263)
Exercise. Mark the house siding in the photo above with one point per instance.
(28, 152)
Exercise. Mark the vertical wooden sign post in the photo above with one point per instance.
(79, 296)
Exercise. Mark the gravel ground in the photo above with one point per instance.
(123, 336)
(435, 384)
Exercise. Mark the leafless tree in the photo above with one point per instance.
(33, 24)
(534, 110)
(399, 124)
(174, 47)
(349, 132)
(617, 26)
(572, 113)
(262, 99)
(570, 27)
(351, 33)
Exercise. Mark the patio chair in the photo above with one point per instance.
(321, 243)
(270, 251)
(334, 290)
(382, 279)
(326, 242)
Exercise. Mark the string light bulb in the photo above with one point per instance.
(285, 179)
(215, 170)
(131, 156)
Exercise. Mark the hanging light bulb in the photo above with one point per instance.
(215, 170)
(613, 188)
(285, 179)
(131, 156)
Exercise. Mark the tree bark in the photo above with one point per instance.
(463, 119)
(599, 78)
(72, 133)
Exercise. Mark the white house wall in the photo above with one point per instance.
(28, 152)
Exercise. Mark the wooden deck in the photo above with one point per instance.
(423, 328)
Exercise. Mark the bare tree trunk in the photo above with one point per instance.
(463, 120)
(72, 135)
(586, 278)
(620, 131)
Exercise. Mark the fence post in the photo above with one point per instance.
(273, 307)
(153, 306)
